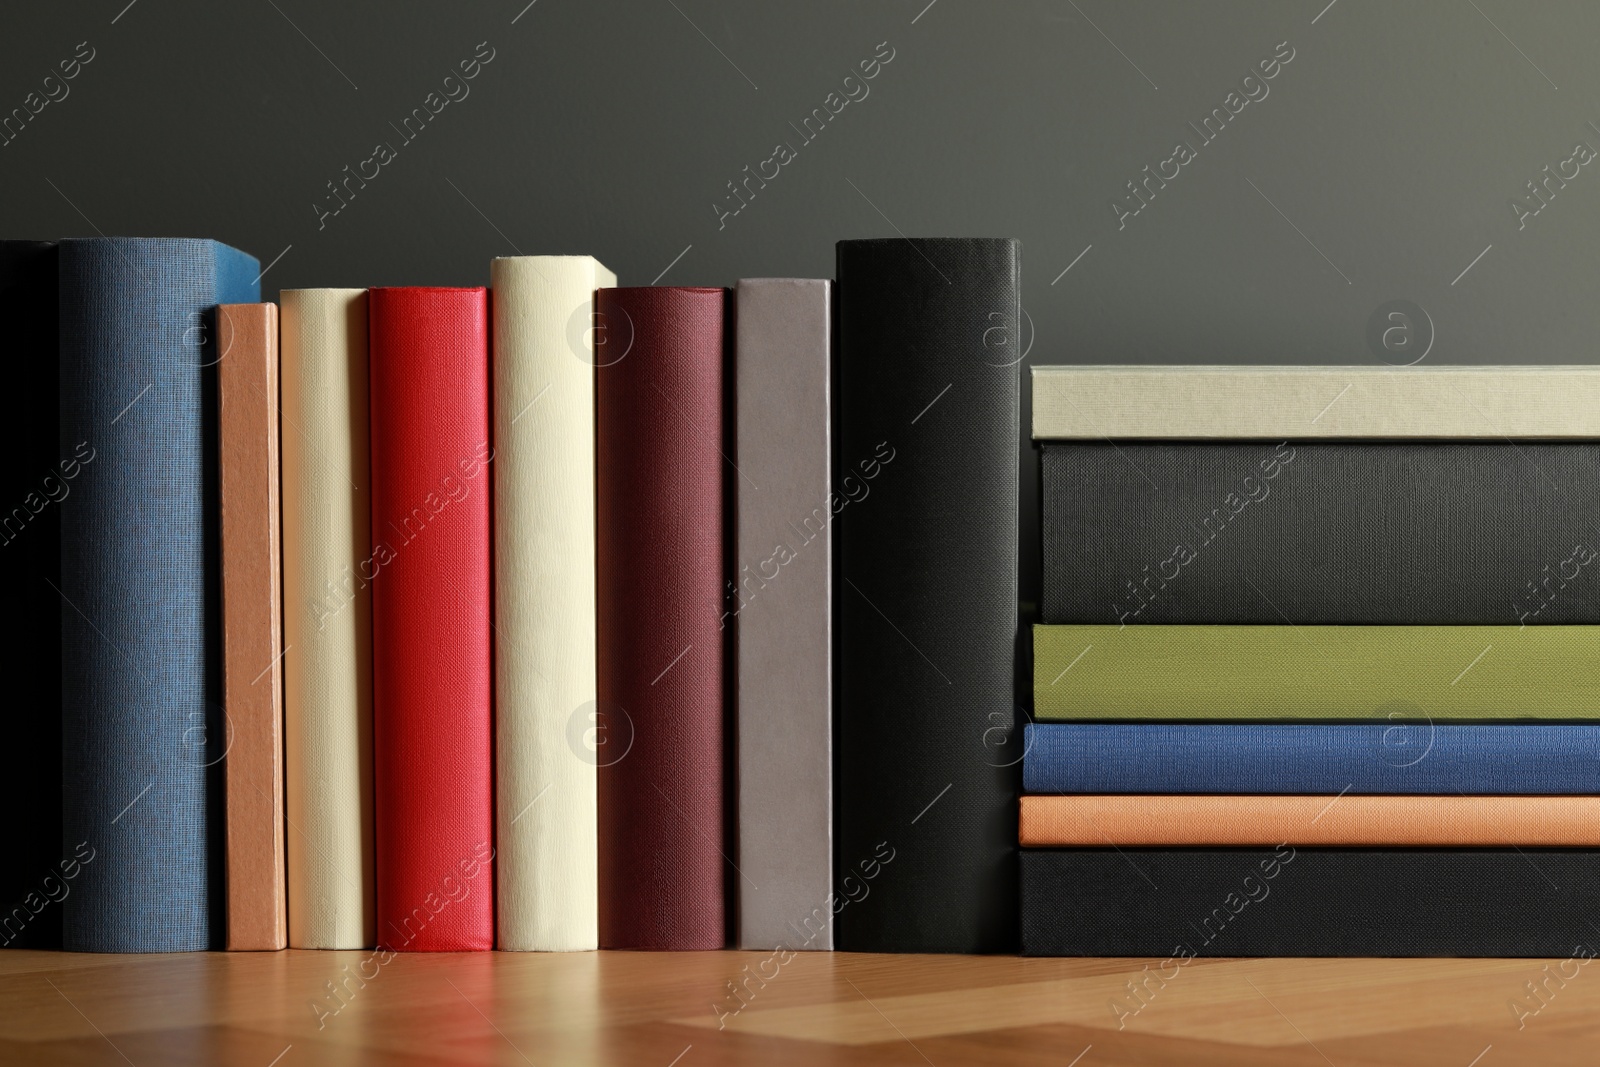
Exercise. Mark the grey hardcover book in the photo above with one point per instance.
(779, 602)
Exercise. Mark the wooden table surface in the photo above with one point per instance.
(677, 1010)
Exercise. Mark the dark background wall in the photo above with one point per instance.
(1380, 165)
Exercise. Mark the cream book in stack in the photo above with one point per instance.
(1287, 402)
(545, 751)
(327, 661)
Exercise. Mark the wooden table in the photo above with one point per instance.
(679, 1010)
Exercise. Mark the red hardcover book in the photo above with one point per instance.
(660, 478)
(429, 570)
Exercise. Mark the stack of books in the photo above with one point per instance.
(404, 618)
(1316, 672)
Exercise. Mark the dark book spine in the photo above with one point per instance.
(1424, 532)
(925, 518)
(1177, 904)
(37, 483)
(142, 735)
(658, 722)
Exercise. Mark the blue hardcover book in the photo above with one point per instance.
(1409, 755)
(141, 715)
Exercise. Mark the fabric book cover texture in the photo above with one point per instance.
(1394, 754)
(252, 620)
(658, 728)
(1279, 403)
(1430, 532)
(1398, 821)
(1173, 904)
(327, 659)
(1185, 671)
(141, 678)
(432, 675)
(545, 863)
(37, 483)
(924, 508)
(780, 608)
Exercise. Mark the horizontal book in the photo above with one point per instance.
(1404, 532)
(1231, 672)
(1221, 402)
(1396, 821)
(1177, 904)
(1394, 756)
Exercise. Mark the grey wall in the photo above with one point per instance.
(1382, 161)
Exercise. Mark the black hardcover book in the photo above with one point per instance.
(33, 488)
(1175, 904)
(924, 510)
(1414, 532)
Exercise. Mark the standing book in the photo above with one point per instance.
(37, 483)
(660, 477)
(545, 865)
(781, 609)
(432, 677)
(327, 658)
(925, 492)
(252, 616)
(141, 667)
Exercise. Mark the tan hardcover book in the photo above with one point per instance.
(252, 619)
(1268, 821)
(1295, 403)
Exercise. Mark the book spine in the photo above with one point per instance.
(36, 482)
(925, 516)
(1278, 403)
(1398, 755)
(660, 478)
(141, 722)
(544, 572)
(1270, 532)
(327, 660)
(252, 617)
(432, 677)
(780, 605)
(1176, 904)
(1397, 821)
(1231, 672)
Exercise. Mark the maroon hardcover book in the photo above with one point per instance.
(657, 730)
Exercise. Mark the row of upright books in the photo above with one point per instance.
(1317, 667)
(551, 615)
